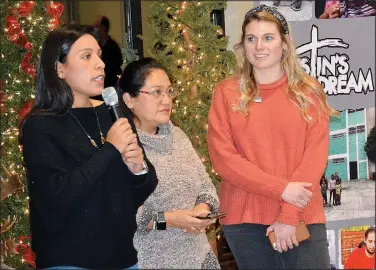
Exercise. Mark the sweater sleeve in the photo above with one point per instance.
(208, 193)
(312, 165)
(144, 184)
(54, 187)
(226, 159)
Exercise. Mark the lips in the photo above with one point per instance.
(261, 56)
(99, 78)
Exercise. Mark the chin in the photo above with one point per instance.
(163, 120)
(262, 66)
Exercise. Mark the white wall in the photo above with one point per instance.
(234, 16)
(113, 10)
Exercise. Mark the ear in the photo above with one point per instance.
(128, 100)
(284, 46)
(60, 70)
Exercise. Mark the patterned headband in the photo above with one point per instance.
(271, 10)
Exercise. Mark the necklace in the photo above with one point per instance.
(87, 134)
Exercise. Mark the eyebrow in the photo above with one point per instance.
(266, 34)
(159, 86)
(89, 49)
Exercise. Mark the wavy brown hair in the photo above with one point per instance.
(302, 89)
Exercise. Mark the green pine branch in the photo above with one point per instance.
(198, 60)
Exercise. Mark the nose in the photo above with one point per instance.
(259, 44)
(166, 99)
(100, 64)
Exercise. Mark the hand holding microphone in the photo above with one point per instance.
(121, 134)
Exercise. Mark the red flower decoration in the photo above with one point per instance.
(14, 31)
(25, 250)
(26, 108)
(26, 66)
(55, 10)
(25, 8)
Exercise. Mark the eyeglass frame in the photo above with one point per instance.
(151, 93)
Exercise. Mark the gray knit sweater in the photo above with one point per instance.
(183, 183)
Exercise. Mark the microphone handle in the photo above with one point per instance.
(115, 112)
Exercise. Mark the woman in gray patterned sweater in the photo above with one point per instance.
(170, 234)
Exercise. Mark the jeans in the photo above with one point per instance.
(75, 267)
(324, 196)
(332, 193)
(252, 249)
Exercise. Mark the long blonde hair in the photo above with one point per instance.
(302, 89)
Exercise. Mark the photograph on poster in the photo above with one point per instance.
(296, 10)
(348, 183)
(344, 9)
(357, 247)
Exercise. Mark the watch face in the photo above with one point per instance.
(161, 225)
(161, 221)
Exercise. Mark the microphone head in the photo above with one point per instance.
(110, 96)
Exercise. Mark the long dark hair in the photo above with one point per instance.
(53, 96)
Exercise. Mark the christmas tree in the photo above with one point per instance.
(127, 52)
(24, 26)
(370, 146)
(193, 49)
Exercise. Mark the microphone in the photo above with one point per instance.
(111, 99)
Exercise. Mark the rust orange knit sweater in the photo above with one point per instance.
(258, 155)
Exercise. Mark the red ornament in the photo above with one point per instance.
(26, 66)
(25, 8)
(14, 31)
(25, 109)
(25, 250)
(55, 10)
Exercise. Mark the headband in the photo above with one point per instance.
(271, 10)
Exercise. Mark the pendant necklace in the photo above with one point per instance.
(87, 134)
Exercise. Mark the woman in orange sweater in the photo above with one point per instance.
(268, 140)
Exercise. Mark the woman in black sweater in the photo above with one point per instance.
(86, 175)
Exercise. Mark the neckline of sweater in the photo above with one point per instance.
(275, 85)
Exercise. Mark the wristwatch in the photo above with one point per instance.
(159, 221)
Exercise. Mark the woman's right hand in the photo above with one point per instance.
(186, 219)
(120, 134)
(297, 194)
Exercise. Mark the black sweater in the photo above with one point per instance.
(83, 201)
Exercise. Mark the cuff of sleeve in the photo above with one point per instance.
(110, 150)
(144, 170)
(289, 215)
(208, 199)
(278, 188)
(144, 216)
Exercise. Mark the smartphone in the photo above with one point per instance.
(214, 215)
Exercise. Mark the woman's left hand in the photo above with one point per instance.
(285, 237)
(201, 210)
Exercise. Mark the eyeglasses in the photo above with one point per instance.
(158, 93)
